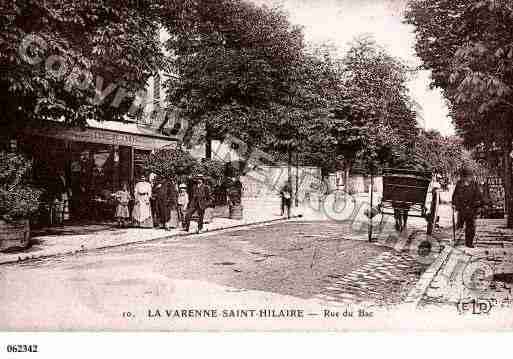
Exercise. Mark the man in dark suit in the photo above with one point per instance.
(466, 199)
(165, 199)
(200, 200)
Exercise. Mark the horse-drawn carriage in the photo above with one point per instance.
(405, 193)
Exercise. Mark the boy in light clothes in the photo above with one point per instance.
(123, 198)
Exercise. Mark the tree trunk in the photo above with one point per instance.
(289, 169)
(208, 143)
(508, 193)
(297, 179)
(347, 170)
(371, 206)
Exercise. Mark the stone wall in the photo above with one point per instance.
(361, 184)
(268, 180)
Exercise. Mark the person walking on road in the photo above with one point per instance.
(467, 199)
(286, 198)
(200, 200)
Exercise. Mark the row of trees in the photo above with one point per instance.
(245, 70)
(77, 49)
(468, 46)
(233, 68)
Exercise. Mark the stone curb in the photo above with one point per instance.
(415, 295)
(71, 252)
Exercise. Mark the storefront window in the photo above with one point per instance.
(84, 173)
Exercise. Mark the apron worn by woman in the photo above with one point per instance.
(142, 209)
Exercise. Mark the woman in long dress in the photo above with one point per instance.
(141, 213)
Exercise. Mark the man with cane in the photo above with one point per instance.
(200, 200)
(466, 200)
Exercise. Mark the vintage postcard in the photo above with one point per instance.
(256, 165)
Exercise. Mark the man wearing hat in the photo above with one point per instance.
(467, 199)
(200, 200)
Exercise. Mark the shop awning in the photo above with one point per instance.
(106, 132)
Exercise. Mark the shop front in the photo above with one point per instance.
(85, 166)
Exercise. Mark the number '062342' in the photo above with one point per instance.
(22, 348)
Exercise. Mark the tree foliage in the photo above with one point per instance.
(82, 47)
(358, 109)
(170, 163)
(445, 154)
(234, 64)
(212, 169)
(234, 67)
(17, 198)
(178, 165)
(468, 46)
(377, 81)
(371, 117)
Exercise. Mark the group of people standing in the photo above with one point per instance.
(163, 203)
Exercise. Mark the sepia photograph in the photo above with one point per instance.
(255, 165)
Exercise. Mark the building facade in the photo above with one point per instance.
(88, 164)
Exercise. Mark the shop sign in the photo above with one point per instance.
(92, 135)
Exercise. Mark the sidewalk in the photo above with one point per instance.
(72, 239)
(481, 273)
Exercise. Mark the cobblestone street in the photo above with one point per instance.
(482, 273)
(383, 280)
(304, 260)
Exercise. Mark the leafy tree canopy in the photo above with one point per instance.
(77, 47)
(178, 165)
(170, 163)
(468, 46)
(371, 116)
(237, 65)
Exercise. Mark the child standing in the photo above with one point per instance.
(122, 212)
(183, 201)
